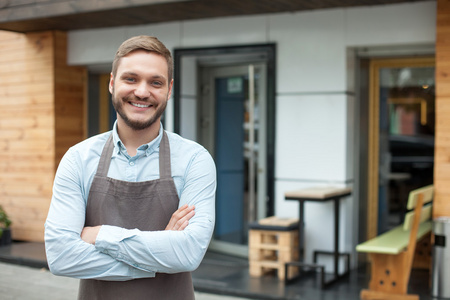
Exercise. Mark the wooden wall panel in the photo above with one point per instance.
(41, 104)
(26, 126)
(70, 100)
(441, 205)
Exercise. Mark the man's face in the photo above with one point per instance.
(140, 90)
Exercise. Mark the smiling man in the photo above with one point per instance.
(132, 211)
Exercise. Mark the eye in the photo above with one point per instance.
(130, 79)
(157, 83)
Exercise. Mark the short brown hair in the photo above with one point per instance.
(147, 43)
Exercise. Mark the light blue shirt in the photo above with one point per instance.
(123, 254)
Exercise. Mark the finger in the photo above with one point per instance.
(176, 216)
(185, 210)
(186, 217)
(181, 212)
(184, 225)
(177, 220)
(181, 209)
(183, 222)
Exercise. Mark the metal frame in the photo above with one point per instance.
(335, 253)
(374, 130)
(270, 51)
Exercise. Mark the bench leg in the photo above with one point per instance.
(376, 295)
(422, 255)
(389, 273)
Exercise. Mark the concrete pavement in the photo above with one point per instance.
(25, 283)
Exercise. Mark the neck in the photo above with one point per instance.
(133, 139)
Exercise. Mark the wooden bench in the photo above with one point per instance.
(392, 253)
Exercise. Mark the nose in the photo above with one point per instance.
(142, 91)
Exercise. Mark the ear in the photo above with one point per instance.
(111, 84)
(169, 94)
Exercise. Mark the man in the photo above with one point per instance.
(132, 211)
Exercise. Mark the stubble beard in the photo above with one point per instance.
(135, 124)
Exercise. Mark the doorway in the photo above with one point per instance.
(100, 111)
(401, 136)
(232, 126)
(231, 114)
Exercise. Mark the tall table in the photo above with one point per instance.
(321, 195)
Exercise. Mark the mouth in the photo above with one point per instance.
(140, 105)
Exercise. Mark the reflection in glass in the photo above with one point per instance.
(406, 140)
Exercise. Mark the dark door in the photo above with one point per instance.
(229, 137)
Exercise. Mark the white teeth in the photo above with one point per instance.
(139, 105)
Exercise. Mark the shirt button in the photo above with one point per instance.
(131, 163)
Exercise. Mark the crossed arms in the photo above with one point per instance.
(178, 222)
(113, 253)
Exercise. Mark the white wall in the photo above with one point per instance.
(315, 116)
(188, 101)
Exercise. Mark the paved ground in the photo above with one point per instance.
(25, 283)
(217, 274)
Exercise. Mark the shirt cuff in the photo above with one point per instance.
(108, 239)
(108, 242)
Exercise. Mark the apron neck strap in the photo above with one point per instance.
(164, 157)
(105, 158)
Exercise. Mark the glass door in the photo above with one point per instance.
(232, 127)
(401, 141)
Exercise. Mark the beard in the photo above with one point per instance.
(136, 124)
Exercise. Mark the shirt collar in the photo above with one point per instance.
(149, 148)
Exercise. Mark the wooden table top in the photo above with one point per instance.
(322, 192)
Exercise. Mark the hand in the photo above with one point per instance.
(89, 234)
(180, 218)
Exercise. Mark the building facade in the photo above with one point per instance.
(311, 120)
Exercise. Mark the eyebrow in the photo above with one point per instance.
(128, 74)
(125, 74)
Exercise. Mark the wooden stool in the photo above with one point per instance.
(272, 243)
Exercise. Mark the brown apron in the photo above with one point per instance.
(147, 206)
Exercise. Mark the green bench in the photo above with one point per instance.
(392, 253)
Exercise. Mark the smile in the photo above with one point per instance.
(140, 105)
